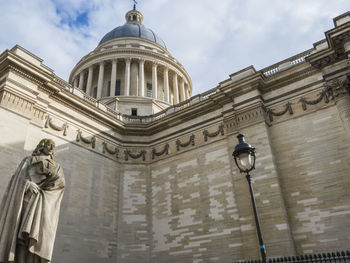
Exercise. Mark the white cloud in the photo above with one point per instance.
(212, 39)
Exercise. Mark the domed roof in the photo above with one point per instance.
(133, 28)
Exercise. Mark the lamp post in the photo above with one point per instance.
(244, 155)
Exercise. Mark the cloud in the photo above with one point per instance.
(212, 39)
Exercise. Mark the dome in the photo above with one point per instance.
(133, 28)
(131, 71)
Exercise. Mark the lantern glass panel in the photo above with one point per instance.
(245, 161)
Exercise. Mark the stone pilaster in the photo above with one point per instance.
(340, 90)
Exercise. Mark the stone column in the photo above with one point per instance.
(127, 77)
(182, 88)
(75, 82)
(188, 92)
(100, 80)
(141, 78)
(113, 78)
(89, 81)
(166, 85)
(81, 80)
(154, 81)
(134, 76)
(176, 89)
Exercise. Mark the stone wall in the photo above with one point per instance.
(194, 212)
(312, 155)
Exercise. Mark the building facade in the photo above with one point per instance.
(161, 185)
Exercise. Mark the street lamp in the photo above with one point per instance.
(244, 155)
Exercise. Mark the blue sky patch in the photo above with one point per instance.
(78, 19)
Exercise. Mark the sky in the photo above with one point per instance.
(210, 38)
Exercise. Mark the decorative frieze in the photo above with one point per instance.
(189, 142)
(128, 154)
(91, 141)
(164, 151)
(52, 125)
(207, 134)
(244, 118)
(323, 95)
(16, 103)
(114, 151)
(288, 108)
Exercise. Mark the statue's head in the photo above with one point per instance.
(45, 147)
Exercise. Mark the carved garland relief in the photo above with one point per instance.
(49, 123)
(180, 144)
(333, 90)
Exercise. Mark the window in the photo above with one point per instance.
(95, 92)
(133, 112)
(149, 90)
(117, 87)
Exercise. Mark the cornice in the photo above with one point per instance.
(276, 83)
(137, 39)
(336, 38)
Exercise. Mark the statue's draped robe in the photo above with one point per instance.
(28, 221)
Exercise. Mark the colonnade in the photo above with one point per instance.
(180, 89)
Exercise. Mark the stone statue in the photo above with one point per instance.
(30, 208)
